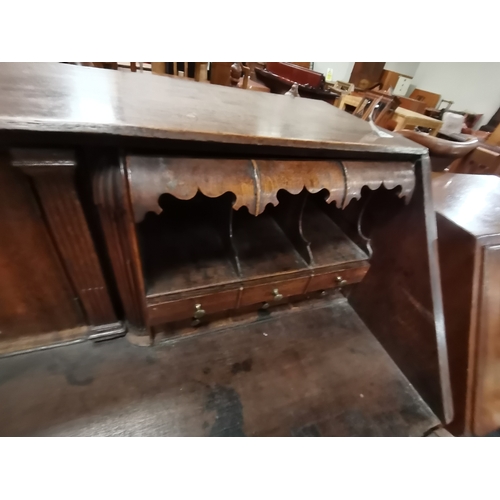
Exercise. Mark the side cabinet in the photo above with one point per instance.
(469, 253)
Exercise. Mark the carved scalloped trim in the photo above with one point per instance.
(359, 175)
(256, 183)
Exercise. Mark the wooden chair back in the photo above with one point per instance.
(377, 106)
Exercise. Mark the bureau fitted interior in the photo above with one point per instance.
(204, 256)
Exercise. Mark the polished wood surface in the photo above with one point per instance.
(35, 294)
(469, 249)
(453, 192)
(76, 99)
(273, 377)
(442, 147)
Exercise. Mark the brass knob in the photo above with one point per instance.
(340, 281)
(198, 311)
(277, 294)
(265, 305)
(195, 322)
(323, 293)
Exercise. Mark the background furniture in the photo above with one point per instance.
(409, 119)
(469, 252)
(301, 240)
(280, 77)
(413, 105)
(493, 123)
(431, 100)
(241, 78)
(350, 100)
(398, 82)
(366, 74)
(377, 107)
(494, 137)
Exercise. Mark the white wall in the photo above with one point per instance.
(405, 68)
(341, 70)
(474, 87)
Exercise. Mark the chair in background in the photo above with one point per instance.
(378, 107)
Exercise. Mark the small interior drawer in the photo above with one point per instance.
(187, 308)
(337, 278)
(273, 292)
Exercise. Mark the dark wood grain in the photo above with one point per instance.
(35, 294)
(407, 318)
(315, 372)
(53, 174)
(81, 100)
(112, 200)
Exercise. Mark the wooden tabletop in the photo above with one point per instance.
(471, 201)
(408, 113)
(54, 97)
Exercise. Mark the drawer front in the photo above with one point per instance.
(274, 292)
(337, 278)
(192, 307)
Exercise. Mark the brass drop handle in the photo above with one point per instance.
(198, 311)
(340, 281)
(265, 305)
(277, 294)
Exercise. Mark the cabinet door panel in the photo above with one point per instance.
(487, 384)
(35, 295)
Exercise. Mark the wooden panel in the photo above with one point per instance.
(53, 173)
(35, 295)
(317, 372)
(431, 100)
(220, 73)
(407, 317)
(412, 104)
(111, 198)
(263, 248)
(457, 253)
(486, 417)
(366, 74)
(74, 99)
(458, 197)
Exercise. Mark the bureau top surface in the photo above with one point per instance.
(470, 201)
(54, 97)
